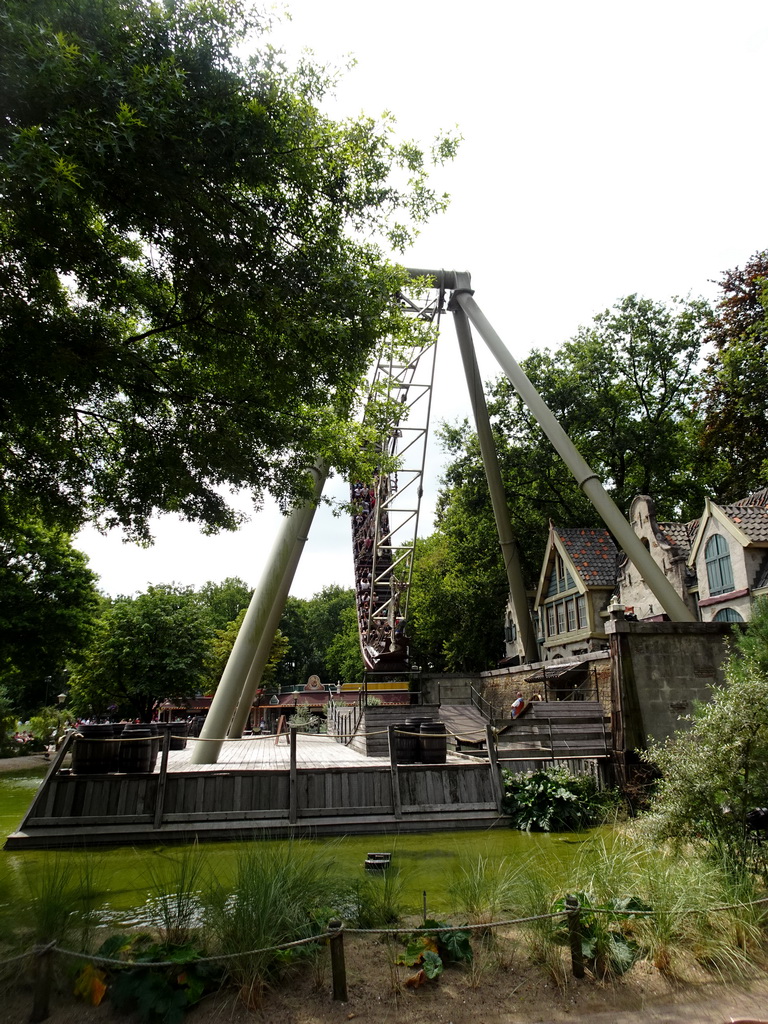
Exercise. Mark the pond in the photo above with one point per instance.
(425, 862)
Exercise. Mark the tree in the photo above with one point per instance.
(225, 601)
(716, 771)
(457, 597)
(144, 649)
(626, 390)
(343, 658)
(48, 603)
(221, 647)
(191, 282)
(312, 627)
(736, 379)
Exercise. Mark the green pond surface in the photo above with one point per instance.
(423, 862)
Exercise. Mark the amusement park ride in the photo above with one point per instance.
(386, 512)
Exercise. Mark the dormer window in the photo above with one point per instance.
(718, 562)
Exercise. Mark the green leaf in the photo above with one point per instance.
(432, 965)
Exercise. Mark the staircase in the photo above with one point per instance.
(465, 725)
(552, 730)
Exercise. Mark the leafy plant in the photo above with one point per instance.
(715, 771)
(553, 800)
(451, 946)
(604, 945)
(159, 995)
(432, 965)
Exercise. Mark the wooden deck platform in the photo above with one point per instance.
(259, 753)
(310, 786)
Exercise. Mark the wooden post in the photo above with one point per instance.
(293, 800)
(43, 969)
(498, 791)
(396, 805)
(574, 934)
(160, 793)
(282, 724)
(338, 966)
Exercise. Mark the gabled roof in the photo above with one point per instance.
(756, 498)
(680, 534)
(746, 520)
(592, 553)
(751, 519)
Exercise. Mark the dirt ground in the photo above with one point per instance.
(501, 989)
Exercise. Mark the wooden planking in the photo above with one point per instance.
(224, 816)
(94, 820)
(361, 797)
(438, 808)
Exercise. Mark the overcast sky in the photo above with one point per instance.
(609, 148)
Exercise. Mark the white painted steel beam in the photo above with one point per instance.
(267, 601)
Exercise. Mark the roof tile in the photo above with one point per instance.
(593, 554)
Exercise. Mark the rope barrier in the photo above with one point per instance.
(370, 931)
(193, 960)
(16, 959)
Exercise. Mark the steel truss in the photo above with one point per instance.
(386, 517)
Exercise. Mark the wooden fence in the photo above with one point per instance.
(71, 809)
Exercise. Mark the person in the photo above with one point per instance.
(517, 704)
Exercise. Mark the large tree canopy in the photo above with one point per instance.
(190, 279)
(48, 604)
(144, 648)
(737, 380)
(626, 389)
(321, 638)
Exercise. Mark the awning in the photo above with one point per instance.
(568, 674)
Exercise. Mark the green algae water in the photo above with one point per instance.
(422, 862)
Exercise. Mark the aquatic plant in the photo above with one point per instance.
(177, 893)
(270, 901)
(482, 890)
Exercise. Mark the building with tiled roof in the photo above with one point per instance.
(718, 564)
(730, 556)
(577, 579)
(669, 544)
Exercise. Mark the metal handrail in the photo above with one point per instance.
(477, 700)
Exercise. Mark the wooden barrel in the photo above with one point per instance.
(136, 749)
(177, 732)
(95, 751)
(433, 742)
(179, 735)
(408, 746)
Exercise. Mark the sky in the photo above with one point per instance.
(609, 148)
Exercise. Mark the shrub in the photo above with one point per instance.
(716, 771)
(553, 800)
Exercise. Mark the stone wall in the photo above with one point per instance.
(500, 686)
(658, 670)
(448, 687)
